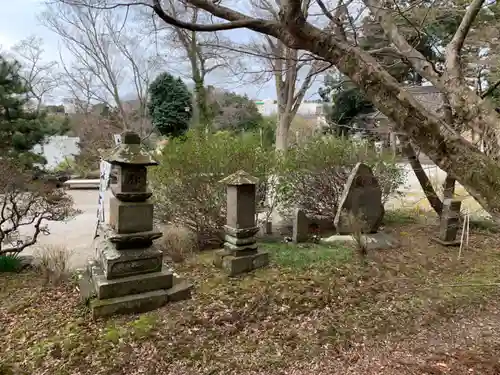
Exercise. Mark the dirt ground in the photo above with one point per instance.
(418, 309)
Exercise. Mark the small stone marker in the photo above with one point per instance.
(449, 223)
(304, 225)
(127, 276)
(362, 198)
(300, 232)
(240, 253)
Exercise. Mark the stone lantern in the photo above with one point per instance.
(127, 275)
(240, 253)
(130, 210)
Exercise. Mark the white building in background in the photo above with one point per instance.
(268, 107)
(57, 149)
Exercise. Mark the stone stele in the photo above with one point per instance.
(360, 206)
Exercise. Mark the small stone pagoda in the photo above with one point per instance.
(128, 275)
(240, 253)
(449, 223)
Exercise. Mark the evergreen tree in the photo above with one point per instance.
(170, 105)
(20, 128)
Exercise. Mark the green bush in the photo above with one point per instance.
(10, 263)
(186, 183)
(313, 175)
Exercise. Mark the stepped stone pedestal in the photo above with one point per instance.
(127, 275)
(240, 253)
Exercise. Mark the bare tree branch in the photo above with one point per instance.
(455, 46)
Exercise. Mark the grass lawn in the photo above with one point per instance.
(315, 310)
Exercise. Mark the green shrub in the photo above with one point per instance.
(313, 175)
(186, 183)
(10, 263)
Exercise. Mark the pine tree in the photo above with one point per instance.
(170, 105)
(20, 128)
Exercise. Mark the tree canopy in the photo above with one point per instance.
(21, 128)
(170, 105)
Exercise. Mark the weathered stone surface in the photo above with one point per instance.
(111, 288)
(123, 263)
(241, 232)
(362, 198)
(235, 265)
(300, 232)
(239, 178)
(373, 241)
(241, 207)
(239, 241)
(130, 217)
(449, 222)
(180, 291)
(129, 304)
(240, 250)
(132, 179)
(131, 197)
(131, 240)
(131, 152)
(260, 260)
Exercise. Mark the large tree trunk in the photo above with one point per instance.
(282, 130)
(422, 177)
(478, 173)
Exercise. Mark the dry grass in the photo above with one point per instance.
(178, 243)
(52, 262)
(314, 310)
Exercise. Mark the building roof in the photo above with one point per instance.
(428, 96)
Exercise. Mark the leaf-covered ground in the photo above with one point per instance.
(315, 310)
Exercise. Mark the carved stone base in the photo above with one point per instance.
(131, 294)
(123, 263)
(235, 265)
(112, 288)
(241, 233)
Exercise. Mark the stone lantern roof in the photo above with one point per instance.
(240, 178)
(131, 152)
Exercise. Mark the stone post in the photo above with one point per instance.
(449, 223)
(128, 275)
(240, 253)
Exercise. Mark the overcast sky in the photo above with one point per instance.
(18, 20)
